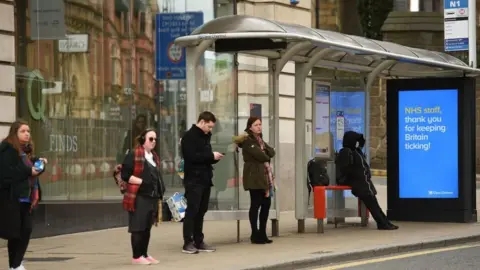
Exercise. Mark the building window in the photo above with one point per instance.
(141, 75)
(143, 23)
(125, 22)
(127, 78)
(114, 65)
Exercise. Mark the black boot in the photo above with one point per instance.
(387, 226)
(264, 237)
(255, 238)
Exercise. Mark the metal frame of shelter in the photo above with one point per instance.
(307, 48)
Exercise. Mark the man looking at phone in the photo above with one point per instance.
(198, 159)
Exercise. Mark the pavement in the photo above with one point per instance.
(110, 249)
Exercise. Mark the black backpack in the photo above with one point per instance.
(316, 174)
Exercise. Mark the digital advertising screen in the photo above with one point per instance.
(428, 144)
(349, 107)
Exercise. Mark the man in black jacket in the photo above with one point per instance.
(353, 170)
(198, 159)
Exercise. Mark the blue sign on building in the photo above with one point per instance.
(170, 59)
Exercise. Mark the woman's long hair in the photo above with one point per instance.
(250, 121)
(12, 137)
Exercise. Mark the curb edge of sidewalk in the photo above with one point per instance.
(323, 260)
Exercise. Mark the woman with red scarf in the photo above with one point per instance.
(145, 189)
(258, 178)
(19, 191)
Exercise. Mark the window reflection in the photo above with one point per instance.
(88, 96)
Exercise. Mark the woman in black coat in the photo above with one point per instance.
(19, 191)
(145, 189)
(353, 170)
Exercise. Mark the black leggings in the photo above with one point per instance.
(140, 241)
(259, 201)
(18, 247)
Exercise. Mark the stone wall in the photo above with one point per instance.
(253, 87)
(414, 29)
(7, 67)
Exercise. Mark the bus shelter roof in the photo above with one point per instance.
(272, 39)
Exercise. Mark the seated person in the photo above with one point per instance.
(352, 169)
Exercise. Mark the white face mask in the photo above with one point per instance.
(357, 144)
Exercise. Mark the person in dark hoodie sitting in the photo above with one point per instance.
(352, 169)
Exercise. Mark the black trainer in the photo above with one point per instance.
(387, 227)
(189, 248)
(202, 247)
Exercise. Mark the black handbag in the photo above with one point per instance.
(10, 223)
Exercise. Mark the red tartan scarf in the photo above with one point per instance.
(132, 189)
(268, 170)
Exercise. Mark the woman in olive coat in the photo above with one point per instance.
(258, 178)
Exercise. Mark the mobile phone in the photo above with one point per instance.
(39, 165)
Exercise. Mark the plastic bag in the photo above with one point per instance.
(178, 205)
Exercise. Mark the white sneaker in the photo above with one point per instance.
(21, 267)
(140, 261)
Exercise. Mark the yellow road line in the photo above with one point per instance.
(396, 257)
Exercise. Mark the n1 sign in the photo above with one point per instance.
(428, 143)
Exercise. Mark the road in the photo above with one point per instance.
(462, 257)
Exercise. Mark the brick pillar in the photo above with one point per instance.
(8, 111)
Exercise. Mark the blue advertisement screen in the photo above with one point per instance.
(428, 144)
(352, 106)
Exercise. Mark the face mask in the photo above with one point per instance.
(357, 144)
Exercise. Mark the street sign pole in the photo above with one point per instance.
(472, 33)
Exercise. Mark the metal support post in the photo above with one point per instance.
(300, 158)
(301, 197)
(472, 33)
(193, 55)
(275, 68)
(274, 139)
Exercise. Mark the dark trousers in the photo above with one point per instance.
(18, 247)
(198, 197)
(258, 201)
(371, 203)
(140, 241)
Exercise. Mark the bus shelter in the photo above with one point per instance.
(307, 48)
